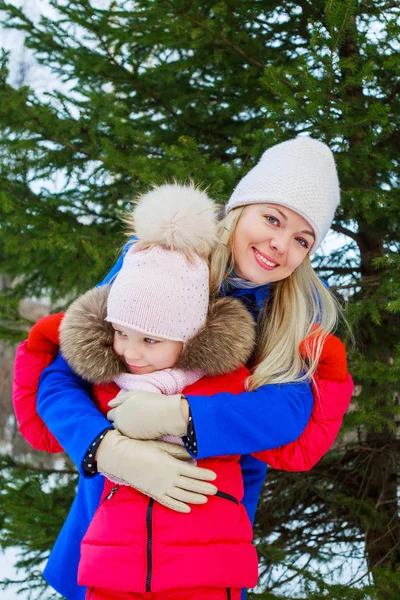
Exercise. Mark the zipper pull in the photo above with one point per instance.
(111, 494)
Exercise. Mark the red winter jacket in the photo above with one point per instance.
(134, 544)
(32, 357)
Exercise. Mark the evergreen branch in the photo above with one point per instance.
(9, 463)
(344, 23)
(143, 88)
(392, 94)
(351, 234)
(337, 270)
(231, 13)
(230, 44)
(393, 139)
(383, 559)
(53, 138)
(45, 134)
(390, 5)
(357, 284)
(329, 87)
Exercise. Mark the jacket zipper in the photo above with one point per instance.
(149, 549)
(228, 594)
(111, 494)
(149, 527)
(226, 496)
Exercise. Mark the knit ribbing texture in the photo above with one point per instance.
(299, 174)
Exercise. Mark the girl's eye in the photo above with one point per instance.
(303, 242)
(272, 220)
(120, 333)
(150, 341)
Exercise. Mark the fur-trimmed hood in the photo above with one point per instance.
(86, 340)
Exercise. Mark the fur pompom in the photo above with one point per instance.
(178, 217)
(226, 342)
(86, 339)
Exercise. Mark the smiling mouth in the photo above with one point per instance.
(261, 258)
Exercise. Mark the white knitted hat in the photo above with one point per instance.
(162, 291)
(299, 174)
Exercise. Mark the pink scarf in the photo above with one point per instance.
(167, 382)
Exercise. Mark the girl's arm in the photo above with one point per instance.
(333, 389)
(331, 401)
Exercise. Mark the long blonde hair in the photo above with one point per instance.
(294, 308)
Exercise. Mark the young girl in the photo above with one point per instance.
(299, 174)
(154, 330)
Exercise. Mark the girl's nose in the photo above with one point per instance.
(133, 353)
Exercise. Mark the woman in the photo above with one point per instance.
(279, 212)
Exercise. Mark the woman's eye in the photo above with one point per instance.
(303, 242)
(150, 341)
(272, 220)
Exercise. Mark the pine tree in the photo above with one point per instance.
(34, 501)
(174, 89)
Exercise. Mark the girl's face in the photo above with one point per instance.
(143, 353)
(270, 242)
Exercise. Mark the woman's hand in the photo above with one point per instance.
(158, 469)
(147, 416)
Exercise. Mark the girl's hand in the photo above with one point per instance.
(44, 336)
(332, 364)
(147, 416)
(154, 470)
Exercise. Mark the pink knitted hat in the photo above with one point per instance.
(163, 290)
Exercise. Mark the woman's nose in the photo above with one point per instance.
(280, 244)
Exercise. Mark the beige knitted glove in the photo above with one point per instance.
(146, 415)
(153, 468)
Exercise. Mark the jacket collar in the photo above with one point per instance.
(256, 296)
(221, 346)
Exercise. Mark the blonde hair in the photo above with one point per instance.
(295, 306)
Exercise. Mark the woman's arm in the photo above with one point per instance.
(225, 423)
(222, 423)
(271, 416)
(332, 389)
(65, 404)
(76, 422)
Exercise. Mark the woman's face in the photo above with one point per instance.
(270, 242)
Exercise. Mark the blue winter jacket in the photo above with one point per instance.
(269, 417)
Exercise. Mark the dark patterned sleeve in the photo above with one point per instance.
(190, 439)
(89, 463)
